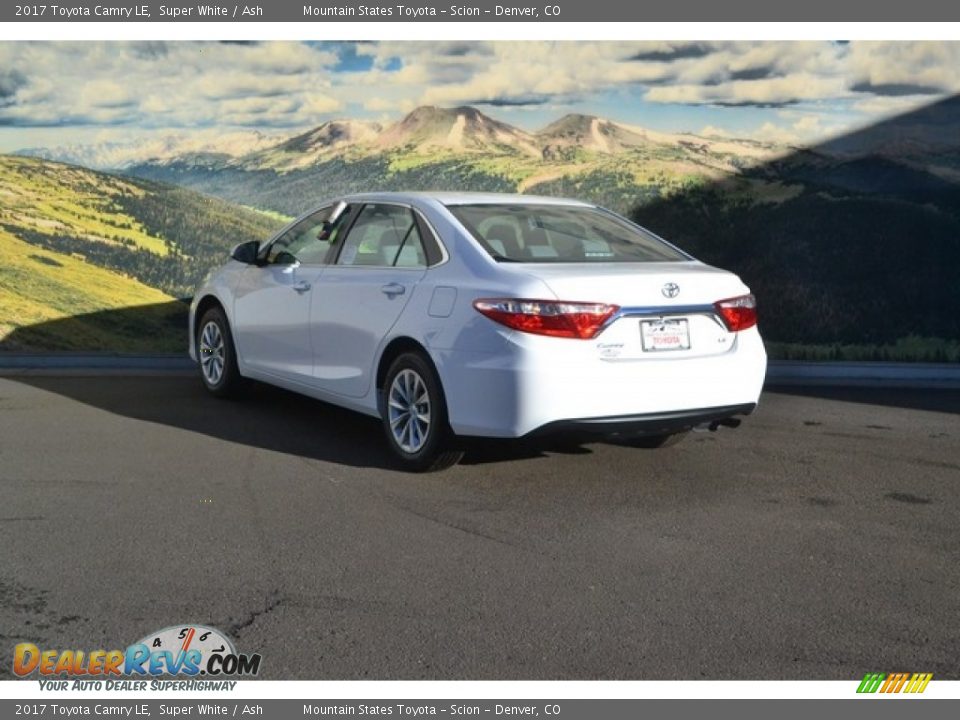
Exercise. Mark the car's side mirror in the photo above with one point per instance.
(246, 252)
(285, 258)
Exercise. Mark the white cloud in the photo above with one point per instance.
(107, 94)
(768, 91)
(169, 84)
(794, 128)
(687, 73)
(319, 105)
(285, 84)
(712, 131)
(932, 65)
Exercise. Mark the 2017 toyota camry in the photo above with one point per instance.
(462, 314)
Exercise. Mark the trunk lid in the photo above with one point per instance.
(638, 284)
(651, 325)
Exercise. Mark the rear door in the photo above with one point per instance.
(362, 295)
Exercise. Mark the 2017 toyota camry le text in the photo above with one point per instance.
(457, 314)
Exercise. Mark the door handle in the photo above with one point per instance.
(391, 289)
(301, 287)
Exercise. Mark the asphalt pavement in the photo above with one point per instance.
(818, 540)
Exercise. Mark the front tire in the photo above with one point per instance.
(217, 354)
(414, 416)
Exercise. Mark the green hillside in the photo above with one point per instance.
(613, 181)
(108, 253)
(39, 289)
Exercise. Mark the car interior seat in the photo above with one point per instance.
(538, 245)
(502, 237)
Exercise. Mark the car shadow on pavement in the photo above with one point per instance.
(285, 422)
(261, 416)
(270, 418)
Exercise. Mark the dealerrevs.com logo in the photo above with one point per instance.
(910, 683)
(182, 651)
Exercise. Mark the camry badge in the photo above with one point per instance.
(670, 290)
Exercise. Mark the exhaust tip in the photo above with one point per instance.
(715, 425)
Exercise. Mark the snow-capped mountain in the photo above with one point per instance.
(157, 149)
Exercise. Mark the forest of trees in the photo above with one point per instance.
(828, 268)
(201, 231)
(295, 192)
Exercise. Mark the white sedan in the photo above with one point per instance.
(459, 314)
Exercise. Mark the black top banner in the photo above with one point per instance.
(535, 11)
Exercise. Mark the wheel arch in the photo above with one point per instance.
(394, 349)
(207, 301)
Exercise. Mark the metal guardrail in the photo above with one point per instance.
(864, 374)
(92, 363)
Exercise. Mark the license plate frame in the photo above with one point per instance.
(665, 335)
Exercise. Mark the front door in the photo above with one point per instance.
(272, 302)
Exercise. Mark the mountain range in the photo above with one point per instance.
(425, 130)
(822, 233)
(117, 155)
(613, 163)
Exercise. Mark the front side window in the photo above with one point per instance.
(309, 241)
(560, 234)
(384, 236)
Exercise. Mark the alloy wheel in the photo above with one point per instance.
(408, 408)
(212, 352)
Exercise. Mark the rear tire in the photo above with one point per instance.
(217, 354)
(414, 416)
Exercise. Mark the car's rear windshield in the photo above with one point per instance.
(561, 234)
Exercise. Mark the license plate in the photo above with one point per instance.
(658, 335)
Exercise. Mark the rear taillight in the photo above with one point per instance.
(738, 313)
(557, 318)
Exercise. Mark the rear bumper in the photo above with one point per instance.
(662, 423)
(538, 383)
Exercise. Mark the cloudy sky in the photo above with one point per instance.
(65, 93)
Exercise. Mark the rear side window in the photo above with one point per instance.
(384, 236)
(561, 234)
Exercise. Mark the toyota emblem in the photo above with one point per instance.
(670, 290)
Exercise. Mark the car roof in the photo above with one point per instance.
(463, 198)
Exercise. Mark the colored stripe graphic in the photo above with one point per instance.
(918, 683)
(894, 682)
(871, 682)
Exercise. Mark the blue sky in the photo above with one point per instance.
(790, 92)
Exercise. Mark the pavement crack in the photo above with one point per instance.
(363, 606)
(909, 498)
(460, 528)
(935, 464)
(22, 519)
(273, 601)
